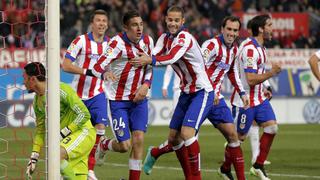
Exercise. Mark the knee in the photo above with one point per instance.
(242, 137)
(138, 138)
(232, 136)
(63, 154)
(125, 146)
(271, 129)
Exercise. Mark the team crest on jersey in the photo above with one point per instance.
(206, 53)
(145, 48)
(250, 62)
(120, 132)
(71, 48)
(242, 126)
(109, 51)
(181, 42)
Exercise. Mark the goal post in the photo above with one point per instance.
(53, 83)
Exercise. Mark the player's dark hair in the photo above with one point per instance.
(257, 22)
(232, 19)
(36, 69)
(96, 12)
(176, 9)
(129, 15)
(249, 24)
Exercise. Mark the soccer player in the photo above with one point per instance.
(219, 54)
(252, 59)
(81, 55)
(253, 132)
(314, 64)
(76, 131)
(180, 49)
(127, 95)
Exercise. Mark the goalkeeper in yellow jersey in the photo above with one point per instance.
(77, 135)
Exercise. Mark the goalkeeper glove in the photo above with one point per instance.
(64, 133)
(32, 164)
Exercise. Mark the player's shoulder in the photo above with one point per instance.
(65, 89)
(184, 34)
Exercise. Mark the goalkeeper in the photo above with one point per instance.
(77, 135)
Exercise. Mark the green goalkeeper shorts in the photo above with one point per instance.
(78, 146)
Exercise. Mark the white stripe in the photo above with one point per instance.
(204, 103)
(79, 139)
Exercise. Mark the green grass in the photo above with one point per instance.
(295, 154)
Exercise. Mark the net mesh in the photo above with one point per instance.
(22, 40)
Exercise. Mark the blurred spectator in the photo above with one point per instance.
(202, 17)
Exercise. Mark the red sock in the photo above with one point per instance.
(105, 144)
(134, 174)
(91, 160)
(158, 151)
(227, 159)
(193, 157)
(265, 144)
(238, 162)
(182, 155)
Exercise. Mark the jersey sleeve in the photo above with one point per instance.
(39, 136)
(69, 98)
(249, 59)
(74, 49)
(149, 68)
(112, 53)
(208, 51)
(179, 47)
(233, 76)
(160, 46)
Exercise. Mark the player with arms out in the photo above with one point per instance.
(180, 49)
(76, 131)
(128, 93)
(252, 59)
(80, 57)
(314, 64)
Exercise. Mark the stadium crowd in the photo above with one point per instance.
(202, 19)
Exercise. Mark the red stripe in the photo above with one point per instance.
(125, 73)
(100, 51)
(259, 94)
(170, 43)
(170, 56)
(218, 58)
(250, 53)
(135, 83)
(85, 66)
(210, 46)
(183, 81)
(181, 36)
(251, 96)
(76, 40)
(95, 79)
(193, 75)
(164, 46)
(122, 81)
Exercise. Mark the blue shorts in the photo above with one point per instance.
(97, 107)
(128, 116)
(192, 109)
(220, 113)
(261, 113)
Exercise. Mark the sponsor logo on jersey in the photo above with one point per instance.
(94, 56)
(223, 65)
(206, 53)
(181, 42)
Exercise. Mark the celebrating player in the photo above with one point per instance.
(127, 95)
(76, 131)
(180, 49)
(85, 51)
(252, 59)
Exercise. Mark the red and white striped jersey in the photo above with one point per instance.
(184, 53)
(220, 60)
(116, 57)
(85, 52)
(252, 59)
(318, 54)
